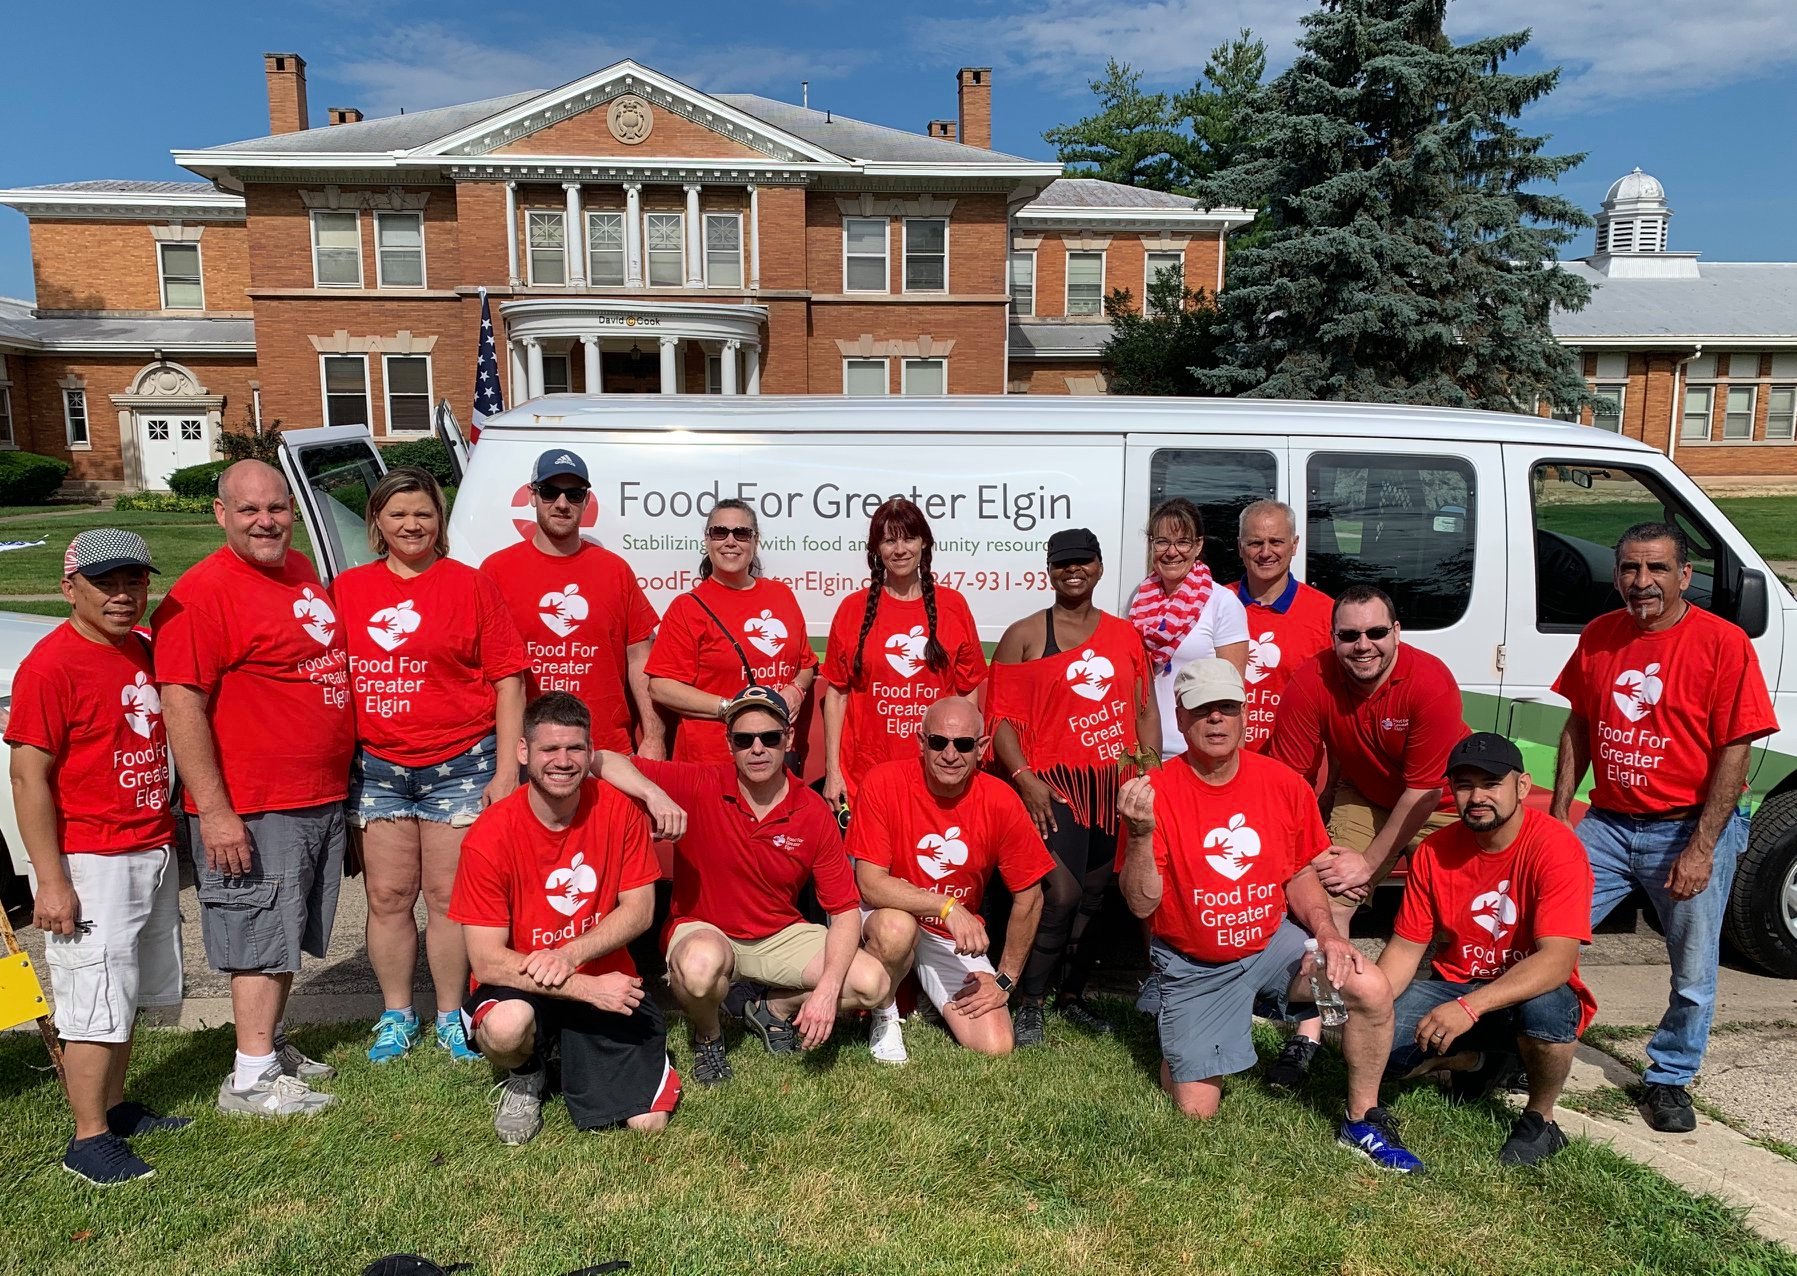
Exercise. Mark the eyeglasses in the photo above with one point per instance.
(1160, 545)
(962, 743)
(742, 740)
(1347, 637)
(721, 534)
(552, 492)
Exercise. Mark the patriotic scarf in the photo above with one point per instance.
(1165, 619)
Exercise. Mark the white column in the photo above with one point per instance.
(754, 236)
(727, 367)
(577, 238)
(595, 384)
(533, 359)
(670, 365)
(517, 388)
(754, 360)
(695, 241)
(511, 232)
(633, 235)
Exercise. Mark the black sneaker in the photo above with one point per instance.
(1028, 1026)
(1495, 1067)
(1532, 1140)
(130, 1119)
(1669, 1109)
(711, 1066)
(1289, 1070)
(105, 1160)
(1083, 1017)
(777, 1034)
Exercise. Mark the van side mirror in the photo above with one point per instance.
(1751, 603)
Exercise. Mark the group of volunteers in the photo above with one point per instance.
(1243, 762)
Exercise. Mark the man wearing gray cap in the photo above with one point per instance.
(90, 778)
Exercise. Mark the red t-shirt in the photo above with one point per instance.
(692, 648)
(265, 645)
(1282, 637)
(424, 654)
(1395, 739)
(546, 886)
(886, 708)
(578, 615)
(1660, 706)
(946, 847)
(109, 776)
(1225, 853)
(1492, 909)
(741, 874)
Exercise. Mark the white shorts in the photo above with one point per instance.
(129, 956)
(941, 971)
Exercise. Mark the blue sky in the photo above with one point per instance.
(1698, 93)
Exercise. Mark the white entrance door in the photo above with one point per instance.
(171, 441)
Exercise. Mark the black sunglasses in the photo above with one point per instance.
(962, 743)
(743, 534)
(550, 492)
(1377, 633)
(741, 740)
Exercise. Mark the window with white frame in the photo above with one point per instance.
(345, 389)
(179, 265)
(408, 381)
(924, 376)
(926, 254)
(1607, 415)
(555, 374)
(1737, 416)
(605, 249)
(664, 240)
(1695, 425)
(1023, 284)
(336, 249)
(1156, 263)
(1085, 284)
(864, 376)
(1781, 412)
(864, 255)
(546, 238)
(74, 417)
(399, 249)
(724, 250)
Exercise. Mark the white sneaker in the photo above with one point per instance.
(886, 1037)
(275, 1095)
(296, 1064)
(519, 1102)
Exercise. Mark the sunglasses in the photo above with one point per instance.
(720, 534)
(1348, 636)
(962, 743)
(742, 740)
(1228, 708)
(552, 492)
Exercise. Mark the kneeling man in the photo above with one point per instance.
(1508, 890)
(925, 838)
(1220, 846)
(554, 881)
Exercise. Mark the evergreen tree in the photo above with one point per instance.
(1133, 138)
(1404, 259)
(1218, 104)
(1155, 350)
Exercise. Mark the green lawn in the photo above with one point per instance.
(1767, 522)
(177, 542)
(1057, 1161)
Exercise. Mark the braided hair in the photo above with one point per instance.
(730, 503)
(899, 519)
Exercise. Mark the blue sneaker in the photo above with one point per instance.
(452, 1037)
(395, 1033)
(1375, 1136)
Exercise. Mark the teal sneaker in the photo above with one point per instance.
(452, 1037)
(395, 1033)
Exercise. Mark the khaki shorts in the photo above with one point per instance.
(129, 956)
(778, 961)
(1354, 821)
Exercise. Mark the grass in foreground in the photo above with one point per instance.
(177, 542)
(1061, 1160)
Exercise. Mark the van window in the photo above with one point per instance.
(1403, 523)
(1221, 484)
(340, 477)
(1580, 512)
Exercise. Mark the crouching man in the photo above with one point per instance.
(1219, 851)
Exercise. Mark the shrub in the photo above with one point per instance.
(29, 479)
(244, 444)
(424, 454)
(164, 503)
(197, 480)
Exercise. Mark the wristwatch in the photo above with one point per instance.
(1005, 983)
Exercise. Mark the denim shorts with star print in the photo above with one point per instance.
(445, 792)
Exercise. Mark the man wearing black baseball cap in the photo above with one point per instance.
(1508, 891)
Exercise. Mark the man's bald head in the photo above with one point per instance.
(952, 715)
(250, 476)
(255, 508)
(952, 722)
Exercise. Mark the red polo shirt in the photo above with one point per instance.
(1283, 636)
(741, 874)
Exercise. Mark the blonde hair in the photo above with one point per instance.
(400, 482)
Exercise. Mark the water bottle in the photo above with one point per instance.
(1330, 1006)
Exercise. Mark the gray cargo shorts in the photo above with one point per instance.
(1206, 1011)
(285, 905)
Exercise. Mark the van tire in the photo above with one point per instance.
(1755, 921)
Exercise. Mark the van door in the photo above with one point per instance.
(331, 472)
(1221, 474)
(454, 443)
(1422, 520)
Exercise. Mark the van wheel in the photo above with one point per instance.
(1761, 920)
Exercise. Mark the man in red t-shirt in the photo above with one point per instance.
(553, 882)
(1288, 621)
(1665, 699)
(1219, 851)
(90, 781)
(754, 836)
(926, 836)
(1508, 892)
(255, 690)
(586, 624)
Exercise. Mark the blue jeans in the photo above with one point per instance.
(1552, 1017)
(1628, 851)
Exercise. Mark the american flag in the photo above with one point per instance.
(489, 399)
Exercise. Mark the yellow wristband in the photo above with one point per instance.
(947, 908)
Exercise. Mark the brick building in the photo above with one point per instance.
(634, 235)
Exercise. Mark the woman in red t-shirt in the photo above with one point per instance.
(733, 629)
(437, 678)
(895, 648)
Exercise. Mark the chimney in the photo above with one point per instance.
(942, 130)
(976, 106)
(286, 92)
(343, 115)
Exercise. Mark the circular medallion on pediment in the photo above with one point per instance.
(630, 119)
